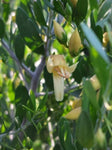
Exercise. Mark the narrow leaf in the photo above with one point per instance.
(80, 11)
(38, 12)
(94, 41)
(2, 28)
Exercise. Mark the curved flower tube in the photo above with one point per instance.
(57, 65)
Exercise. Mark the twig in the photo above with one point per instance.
(15, 132)
(11, 53)
(51, 92)
(27, 70)
(36, 75)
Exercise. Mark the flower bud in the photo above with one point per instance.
(75, 43)
(95, 82)
(74, 2)
(100, 140)
(60, 33)
(76, 103)
(13, 17)
(106, 38)
(73, 114)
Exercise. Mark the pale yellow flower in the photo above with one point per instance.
(57, 65)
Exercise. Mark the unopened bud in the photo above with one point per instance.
(95, 82)
(106, 38)
(14, 17)
(73, 114)
(75, 43)
(100, 140)
(76, 103)
(60, 33)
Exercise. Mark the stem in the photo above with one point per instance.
(27, 70)
(36, 75)
(51, 92)
(50, 128)
(12, 54)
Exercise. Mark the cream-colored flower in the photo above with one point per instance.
(57, 65)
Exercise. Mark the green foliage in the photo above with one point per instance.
(2, 28)
(65, 134)
(80, 11)
(38, 13)
(28, 30)
(19, 47)
(84, 130)
(30, 117)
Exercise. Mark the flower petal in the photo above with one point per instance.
(49, 65)
(58, 87)
(72, 68)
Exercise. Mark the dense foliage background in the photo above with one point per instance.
(30, 117)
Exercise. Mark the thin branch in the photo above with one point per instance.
(36, 75)
(51, 92)
(27, 70)
(12, 54)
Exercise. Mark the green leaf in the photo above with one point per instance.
(92, 20)
(21, 95)
(28, 30)
(42, 102)
(84, 130)
(48, 79)
(3, 55)
(100, 67)
(65, 134)
(91, 94)
(59, 7)
(6, 10)
(83, 69)
(93, 4)
(85, 101)
(33, 99)
(94, 41)
(2, 28)
(38, 12)
(20, 112)
(106, 5)
(98, 31)
(19, 47)
(98, 56)
(80, 11)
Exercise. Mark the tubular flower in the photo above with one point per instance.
(57, 65)
(59, 33)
